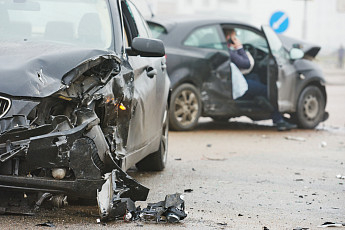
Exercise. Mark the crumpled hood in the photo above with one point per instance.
(308, 48)
(36, 69)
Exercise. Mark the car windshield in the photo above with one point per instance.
(77, 22)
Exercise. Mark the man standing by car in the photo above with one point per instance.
(256, 88)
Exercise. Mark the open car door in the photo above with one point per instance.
(216, 90)
(282, 75)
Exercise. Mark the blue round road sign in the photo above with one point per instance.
(279, 22)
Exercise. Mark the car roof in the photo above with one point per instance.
(196, 20)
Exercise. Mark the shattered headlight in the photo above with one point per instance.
(5, 105)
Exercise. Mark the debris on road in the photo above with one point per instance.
(331, 225)
(116, 200)
(291, 138)
(46, 224)
(340, 177)
(171, 210)
(214, 159)
(188, 190)
(323, 144)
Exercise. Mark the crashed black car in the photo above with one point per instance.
(198, 66)
(84, 91)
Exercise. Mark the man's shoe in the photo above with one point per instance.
(285, 126)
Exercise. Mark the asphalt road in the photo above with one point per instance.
(243, 175)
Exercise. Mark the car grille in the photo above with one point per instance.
(5, 105)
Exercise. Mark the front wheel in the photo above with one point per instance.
(310, 107)
(185, 108)
(157, 161)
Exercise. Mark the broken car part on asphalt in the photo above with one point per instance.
(116, 200)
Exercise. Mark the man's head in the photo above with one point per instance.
(230, 33)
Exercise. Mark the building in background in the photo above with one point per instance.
(320, 22)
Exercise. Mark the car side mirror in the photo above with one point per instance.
(146, 47)
(296, 53)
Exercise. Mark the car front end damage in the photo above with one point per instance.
(64, 143)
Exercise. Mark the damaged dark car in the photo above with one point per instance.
(84, 93)
(199, 68)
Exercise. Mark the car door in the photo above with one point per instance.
(145, 124)
(216, 88)
(282, 74)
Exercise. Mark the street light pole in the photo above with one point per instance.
(304, 28)
(305, 22)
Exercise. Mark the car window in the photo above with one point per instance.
(142, 27)
(205, 37)
(275, 43)
(78, 22)
(157, 30)
(250, 37)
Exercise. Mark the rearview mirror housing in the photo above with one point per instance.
(146, 47)
(296, 53)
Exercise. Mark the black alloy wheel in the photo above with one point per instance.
(310, 107)
(185, 108)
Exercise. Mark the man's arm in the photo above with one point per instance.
(240, 58)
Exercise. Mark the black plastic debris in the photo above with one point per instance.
(189, 190)
(118, 195)
(331, 225)
(298, 228)
(222, 224)
(116, 201)
(171, 210)
(46, 224)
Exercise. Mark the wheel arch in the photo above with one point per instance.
(312, 81)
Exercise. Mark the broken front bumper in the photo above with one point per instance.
(28, 156)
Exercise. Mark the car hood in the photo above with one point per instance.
(36, 69)
(309, 49)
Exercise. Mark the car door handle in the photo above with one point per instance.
(164, 67)
(151, 72)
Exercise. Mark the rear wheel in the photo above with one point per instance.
(310, 108)
(157, 161)
(185, 108)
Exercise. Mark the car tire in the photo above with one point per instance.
(185, 108)
(157, 161)
(310, 108)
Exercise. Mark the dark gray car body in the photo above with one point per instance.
(86, 111)
(206, 69)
